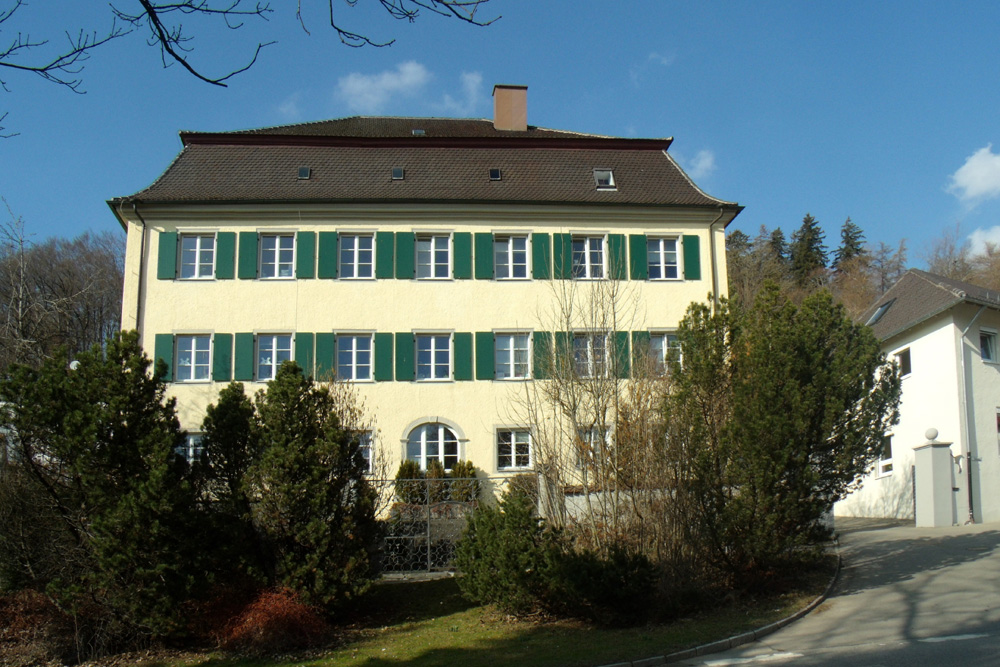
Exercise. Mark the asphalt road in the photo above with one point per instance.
(906, 597)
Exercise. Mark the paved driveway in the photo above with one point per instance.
(907, 596)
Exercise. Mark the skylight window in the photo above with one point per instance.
(605, 179)
(495, 174)
(397, 173)
(305, 173)
(418, 133)
(879, 313)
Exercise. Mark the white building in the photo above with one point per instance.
(943, 333)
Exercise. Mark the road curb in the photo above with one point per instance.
(743, 638)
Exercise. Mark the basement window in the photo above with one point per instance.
(397, 173)
(605, 179)
(495, 174)
(305, 173)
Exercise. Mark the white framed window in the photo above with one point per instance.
(662, 258)
(433, 357)
(604, 179)
(988, 345)
(588, 257)
(192, 450)
(512, 356)
(430, 442)
(277, 256)
(354, 357)
(664, 348)
(433, 256)
(513, 449)
(272, 351)
(197, 256)
(903, 360)
(510, 257)
(193, 361)
(357, 256)
(590, 354)
(592, 443)
(366, 450)
(885, 460)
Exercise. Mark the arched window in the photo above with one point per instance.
(432, 441)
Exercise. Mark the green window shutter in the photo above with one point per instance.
(247, 265)
(462, 247)
(562, 256)
(541, 256)
(243, 357)
(484, 256)
(692, 257)
(304, 352)
(163, 348)
(166, 264)
(383, 357)
(640, 349)
(622, 366)
(327, 255)
(564, 352)
(384, 255)
(305, 255)
(225, 255)
(326, 350)
(462, 344)
(541, 349)
(222, 357)
(639, 260)
(485, 350)
(404, 255)
(405, 342)
(617, 264)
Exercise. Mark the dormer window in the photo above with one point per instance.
(397, 173)
(495, 174)
(305, 173)
(605, 179)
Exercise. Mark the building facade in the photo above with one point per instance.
(943, 335)
(427, 261)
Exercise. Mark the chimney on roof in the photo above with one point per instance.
(510, 107)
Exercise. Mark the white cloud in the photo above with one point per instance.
(980, 237)
(701, 166)
(290, 108)
(472, 94)
(979, 178)
(370, 93)
(661, 59)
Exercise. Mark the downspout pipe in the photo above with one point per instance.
(969, 424)
(715, 263)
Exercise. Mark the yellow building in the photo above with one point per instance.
(426, 260)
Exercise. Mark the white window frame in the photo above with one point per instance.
(277, 266)
(433, 266)
(202, 270)
(354, 366)
(192, 450)
(439, 372)
(604, 179)
(440, 441)
(587, 363)
(660, 345)
(188, 372)
(274, 363)
(585, 448)
(989, 350)
(516, 438)
(353, 253)
(656, 258)
(510, 266)
(884, 465)
(366, 447)
(588, 268)
(505, 342)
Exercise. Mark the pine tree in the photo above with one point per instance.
(807, 253)
(779, 247)
(852, 244)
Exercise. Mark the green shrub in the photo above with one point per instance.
(437, 487)
(464, 486)
(409, 484)
(617, 590)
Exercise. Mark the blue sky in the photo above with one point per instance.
(882, 111)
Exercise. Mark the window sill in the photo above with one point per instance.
(200, 279)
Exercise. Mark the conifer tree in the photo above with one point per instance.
(779, 247)
(852, 244)
(807, 253)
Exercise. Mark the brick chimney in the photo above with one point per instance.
(510, 107)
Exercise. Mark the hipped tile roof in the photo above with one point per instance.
(351, 160)
(920, 295)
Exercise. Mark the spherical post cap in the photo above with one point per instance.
(931, 434)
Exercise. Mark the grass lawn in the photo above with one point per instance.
(429, 623)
